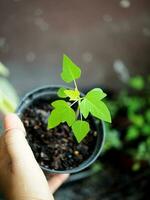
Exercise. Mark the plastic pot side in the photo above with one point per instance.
(48, 93)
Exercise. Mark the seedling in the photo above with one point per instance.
(91, 103)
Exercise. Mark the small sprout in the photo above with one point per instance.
(61, 93)
(91, 103)
(74, 95)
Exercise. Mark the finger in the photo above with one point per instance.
(4, 158)
(56, 181)
(2, 145)
(15, 140)
(27, 175)
(12, 121)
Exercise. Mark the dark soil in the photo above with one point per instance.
(56, 148)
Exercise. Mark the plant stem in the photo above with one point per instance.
(77, 113)
(79, 101)
(80, 116)
(75, 84)
(74, 103)
(79, 108)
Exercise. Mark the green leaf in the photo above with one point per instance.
(92, 104)
(112, 139)
(3, 70)
(134, 103)
(70, 70)
(146, 129)
(84, 108)
(96, 93)
(96, 167)
(148, 78)
(137, 83)
(62, 113)
(142, 148)
(137, 120)
(8, 97)
(80, 129)
(73, 94)
(61, 93)
(6, 105)
(54, 119)
(141, 152)
(136, 166)
(132, 133)
(59, 104)
(148, 115)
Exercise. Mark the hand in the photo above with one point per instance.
(21, 178)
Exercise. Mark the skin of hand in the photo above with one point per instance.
(21, 178)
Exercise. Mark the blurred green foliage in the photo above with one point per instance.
(135, 100)
(112, 139)
(137, 83)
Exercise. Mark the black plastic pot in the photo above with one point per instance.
(50, 93)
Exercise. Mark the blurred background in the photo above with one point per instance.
(97, 34)
(110, 41)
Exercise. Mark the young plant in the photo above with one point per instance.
(91, 103)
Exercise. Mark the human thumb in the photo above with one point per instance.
(15, 141)
(27, 176)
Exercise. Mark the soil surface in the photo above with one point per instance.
(56, 148)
